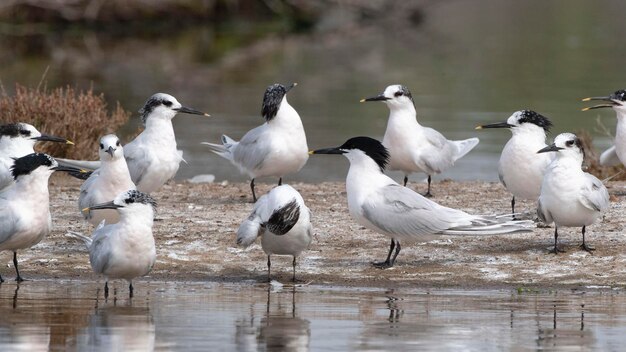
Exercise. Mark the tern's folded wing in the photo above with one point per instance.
(252, 149)
(397, 210)
(7, 222)
(594, 195)
(137, 161)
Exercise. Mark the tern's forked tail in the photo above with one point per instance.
(464, 146)
(224, 149)
(79, 236)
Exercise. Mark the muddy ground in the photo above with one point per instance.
(195, 236)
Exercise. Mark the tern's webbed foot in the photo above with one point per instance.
(428, 194)
(557, 250)
(587, 248)
(382, 265)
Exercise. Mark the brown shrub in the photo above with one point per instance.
(592, 160)
(81, 117)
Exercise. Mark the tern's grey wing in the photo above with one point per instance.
(85, 199)
(398, 210)
(7, 222)
(251, 151)
(137, 161)
(442, 152)
(609, 157)
(100, 251)
(594, 195)
(6, 178)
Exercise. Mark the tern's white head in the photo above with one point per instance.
(164, 106)
(25, 134)
(617, 101)
(130, 203)
(361, 150)
(566, 145)
(395, 96)
(274, 96)
(523, 121)
(110, 148)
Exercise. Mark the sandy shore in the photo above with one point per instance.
(195, 236)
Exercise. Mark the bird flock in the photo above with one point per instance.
(115, 195)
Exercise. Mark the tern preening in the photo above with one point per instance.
(104, 184)
(616, 154)
(380, 204)
(16, 141)
(126, 249)
(520, 169)
(152, 156)
(413, 147)
(569, 196)
(276, 148)
(282, 221)
(24, 206)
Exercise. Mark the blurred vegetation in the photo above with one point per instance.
(80, 116)
(591, 163)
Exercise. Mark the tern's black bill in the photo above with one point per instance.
(328, 151)
(380, 97)
(191, 111)
(495, 125)
(110, 150)
(69, 169)
(288, 88)
(609, 100)
(551, 148)
(107, 205)
(48, 138)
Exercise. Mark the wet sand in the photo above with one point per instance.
(196, 225)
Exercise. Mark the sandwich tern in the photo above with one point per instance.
(106, 182)
(24, 206)
(124, 250)
(16, 141)
(282, 221)
(528, 130)
(569, 196)
(413, 147)
(276, 148)
(152, 156)
(378, 203)
(616, 154)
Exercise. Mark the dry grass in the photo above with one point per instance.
(64, 112)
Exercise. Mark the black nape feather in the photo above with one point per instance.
(271, 100)
(14, 130)
(535, 118)
(134, 196)
(371, 147)
(619, 95)
(404, 91)
(152, 103)
(283, 219)
(27, 164)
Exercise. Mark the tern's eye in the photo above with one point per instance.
(569, 143)
(399, 94)
(117, 143)
(167, 103)
(101, 146)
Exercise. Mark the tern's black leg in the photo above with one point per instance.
(585, 246)
(106, 289)
(387, 262)
(556, 249)
(1, 279)
(294, 269)
(393, 261)
(252, 188)
(406, 179)
(513, 207)
(280, 181)
(17, 271)
(269, 266)
(428, 194)
(130, 289)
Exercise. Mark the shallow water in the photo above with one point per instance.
(466, 63)
(69, 315)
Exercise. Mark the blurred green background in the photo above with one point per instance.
(466, 63)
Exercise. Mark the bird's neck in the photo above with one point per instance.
(529, 133)
(115, 169)
(403, 114)
(364, 174)
(620, 130)
(32, 189)
(286, 116)
(160, 129)
(137, 218)
(569, 162)
(16, 147)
